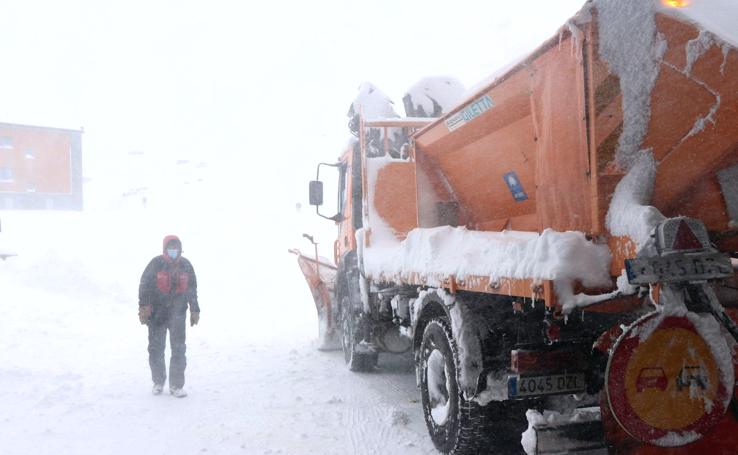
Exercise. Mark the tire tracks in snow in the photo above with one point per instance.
(382, 413)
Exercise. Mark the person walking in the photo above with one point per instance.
(168, 285)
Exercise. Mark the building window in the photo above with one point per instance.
(6, 174)
(6, 142)
(31, 188)
(29, 154)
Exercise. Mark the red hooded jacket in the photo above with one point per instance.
(169, 284)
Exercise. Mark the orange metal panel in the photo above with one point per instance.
(697, 157)
(537, 128)
(511, 104)
(562, 154)
(622, 248)
(674, 93)
(395, 197)
(525, 288)
(481, 188)
(707, 193)
(346, 240)
(687, 159)
(439, 185)
(680, 34)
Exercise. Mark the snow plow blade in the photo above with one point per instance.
(321, 278)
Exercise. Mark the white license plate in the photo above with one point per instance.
(678, 267)
(523, 386)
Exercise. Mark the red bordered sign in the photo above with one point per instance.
(664, 385)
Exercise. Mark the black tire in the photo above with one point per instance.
(461, 426)
(356, 357)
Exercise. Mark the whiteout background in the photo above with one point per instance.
(247, 97)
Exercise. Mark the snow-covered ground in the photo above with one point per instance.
(74, 377)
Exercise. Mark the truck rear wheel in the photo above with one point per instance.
(457, 425)
(356, 356)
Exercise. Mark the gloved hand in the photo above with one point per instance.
(194, 318)
(144, 313)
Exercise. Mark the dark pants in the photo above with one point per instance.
(174, 321)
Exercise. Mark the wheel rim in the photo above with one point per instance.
(437, 375)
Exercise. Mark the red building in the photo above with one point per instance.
(40, 168)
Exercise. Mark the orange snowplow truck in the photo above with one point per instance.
(558, 250)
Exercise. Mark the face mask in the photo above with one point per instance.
(173, 253)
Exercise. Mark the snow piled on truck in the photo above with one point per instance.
(634, 57)
(434, 253)
(629, 213)
(372, 103)
(432, 96)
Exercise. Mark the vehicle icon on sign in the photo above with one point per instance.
(651, 378)
(691, 375)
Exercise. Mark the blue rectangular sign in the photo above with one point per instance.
(516, 187)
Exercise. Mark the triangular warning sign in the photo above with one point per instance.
(685, 238)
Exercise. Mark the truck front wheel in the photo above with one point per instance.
(358, 357)
(457, 425)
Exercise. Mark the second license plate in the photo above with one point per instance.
(523, 386)
(678, 267)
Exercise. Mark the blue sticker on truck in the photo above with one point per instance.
(470, 112)
(516, 188)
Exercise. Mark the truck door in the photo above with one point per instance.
(349, 203)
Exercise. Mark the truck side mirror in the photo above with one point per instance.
(316, 192)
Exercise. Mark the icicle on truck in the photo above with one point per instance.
(559, 250)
